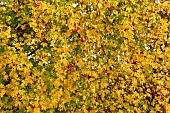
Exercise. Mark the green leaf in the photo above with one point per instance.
(140, 104)
(119, 1)
(2, 49)
(58, 42)
(112, 37)
(107, 13)
(21, 39)
(120, 40)
(84, 86)
(7, 69)
(26, 48)
(2, 81)
(142, 47)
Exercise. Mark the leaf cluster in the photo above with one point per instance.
(93, 56)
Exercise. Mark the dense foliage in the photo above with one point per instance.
(98, 56)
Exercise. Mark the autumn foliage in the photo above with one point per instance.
(98, 56)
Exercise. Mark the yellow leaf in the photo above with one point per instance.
(114, 3)
(36, 110)
(134, 81)
(93, 89)
(104, 83)
(94, 74)
(57, 83)
(2, 92)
